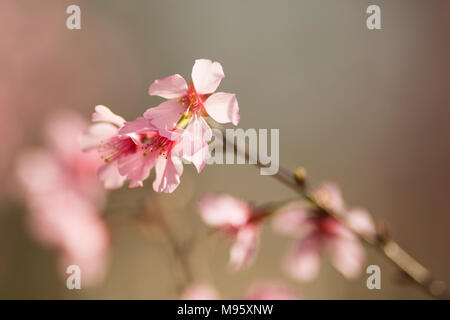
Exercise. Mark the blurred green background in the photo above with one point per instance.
(366, 109)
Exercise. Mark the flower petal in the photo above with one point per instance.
(223, 107)
(292, 220)
(133, 129)
(347, 256)
(193, 145)
(110, 176)
(171, 87)
(361, 221)
(166, 115)
(200, 291)
(329, 196)
(168, 172)
(243, 251)
(96, 134)
(304, 262)
(103, 114)
(206, 75)
(223, 211)
(136, 167)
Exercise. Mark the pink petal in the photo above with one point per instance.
(39, 172)
(97, 134)
(136, 167)
(133, 129)
(76, 230)
(292, 220)
(200, 291)
(361, 221)
(206, 75)
(85, 242)
(347, 256)
(110, 176)
(329, 196)
(103, 114)
(223, 107)
(170, 87)
(166, 115)
(168, 172)
(304, 262)
(62, 130)
(193, 145)
(243, 251)
(223, 211)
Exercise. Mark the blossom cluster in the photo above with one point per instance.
(316, 232)
(174, 130)
(65, 199)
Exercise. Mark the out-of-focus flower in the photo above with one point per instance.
(200, 291)
(188, 104)
(319, 233)
(270, 290)
(238, 219)
(64, 198)
(329, 197)
(263, 290)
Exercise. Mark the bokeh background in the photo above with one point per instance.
(366, 109)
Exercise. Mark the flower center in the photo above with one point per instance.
(115, 147)
(159, 144)
(192, 100)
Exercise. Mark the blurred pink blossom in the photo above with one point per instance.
(200, 291)
(263, 290)
(190, 103)
(319, 233)
(64, 198)
(329, 197)
(238, 219)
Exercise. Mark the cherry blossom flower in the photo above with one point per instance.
(262, 290)
(152, 149)
(103, 136)
(200, 291)
(329, 197)
(319, 234)
(236, 218)
(188, 104)
(64, 198)
(131, 149)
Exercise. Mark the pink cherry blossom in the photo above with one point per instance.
(329, 197)
(319, 234)
(131, 149)
(236, 218)
(103, 136)
(152, 149)
(191, 103)
(64, 198)
(200, 291)
(261, 290)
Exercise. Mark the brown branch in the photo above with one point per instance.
(388, 247)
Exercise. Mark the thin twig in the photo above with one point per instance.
(179, 250)
(388, 247)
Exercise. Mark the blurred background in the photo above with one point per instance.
(366, 109)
